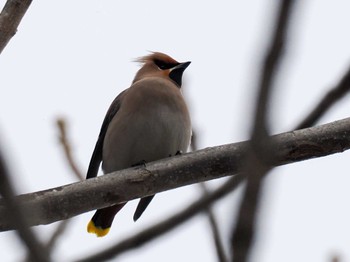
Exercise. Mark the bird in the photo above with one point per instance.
(146, 122)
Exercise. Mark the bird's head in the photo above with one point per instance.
(161, 65)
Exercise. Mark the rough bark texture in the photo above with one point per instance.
(67, 201)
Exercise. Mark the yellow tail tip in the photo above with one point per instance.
(100, 232)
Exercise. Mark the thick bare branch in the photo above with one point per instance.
(166, 174)
(10, 17)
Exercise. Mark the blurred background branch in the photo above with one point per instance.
(261, 155)
(329, 99)
(215, 230)
(66, 144)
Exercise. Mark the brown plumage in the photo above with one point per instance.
(146, 122)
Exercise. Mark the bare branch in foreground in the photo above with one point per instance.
(10, 17)
(333, 95)
(17, 217)
(166, 174)
(259, 159)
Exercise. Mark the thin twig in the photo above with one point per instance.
(59, 231)
(260, 158)
(62, 126)
(333, 95)
(10, 17)
(219, 247)
(18, 217)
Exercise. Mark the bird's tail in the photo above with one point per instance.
(102, 220)
(143, 204)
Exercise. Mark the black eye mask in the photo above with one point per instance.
(164, 65)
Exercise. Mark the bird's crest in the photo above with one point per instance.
(156, 56)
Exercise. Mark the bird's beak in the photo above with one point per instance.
(177, 71)
(183, 65)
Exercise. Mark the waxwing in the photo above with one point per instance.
(146, 122)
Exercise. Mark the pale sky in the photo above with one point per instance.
(71, 59)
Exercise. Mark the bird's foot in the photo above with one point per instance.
(178, 153)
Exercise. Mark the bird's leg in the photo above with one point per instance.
(178, 153)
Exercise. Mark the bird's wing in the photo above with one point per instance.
(96, 157)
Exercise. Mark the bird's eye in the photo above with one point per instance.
(164, 65)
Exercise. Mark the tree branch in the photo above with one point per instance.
(62, 127)
(10, 17)
(166, 174)
(259, 159)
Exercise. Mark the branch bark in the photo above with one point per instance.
(10, 17)
(166, 174)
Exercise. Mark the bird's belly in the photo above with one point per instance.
(145, 138)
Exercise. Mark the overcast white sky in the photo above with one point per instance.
(71, 58)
